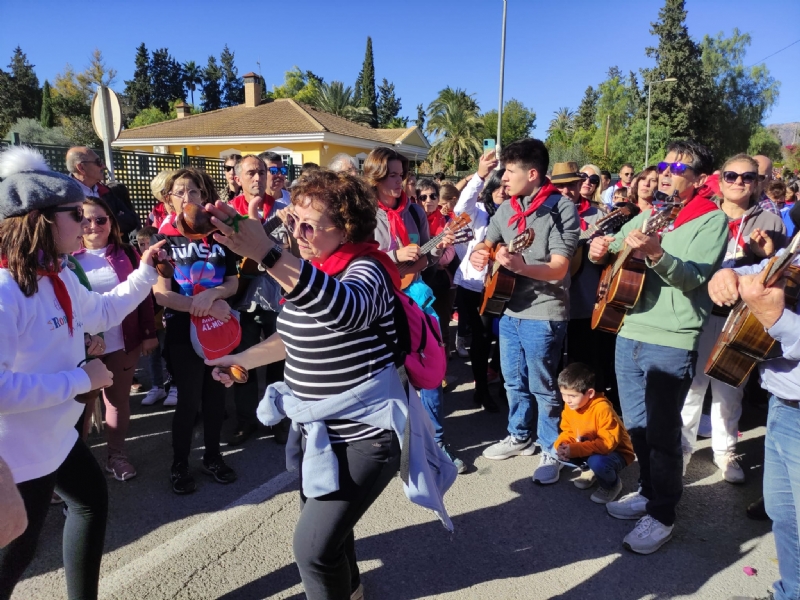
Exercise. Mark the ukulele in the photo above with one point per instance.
(622, 281)
(609, 224)
(743, 342)
(454, 226)
(499, 283)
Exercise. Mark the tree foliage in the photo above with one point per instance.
(764, 141)
(518, 122)
(166, 76)
(337, 99)
(31, 131)
(454, 121)
(420, 120)
(46, 117)
(20, 96)
(97, 73)
(366, 95)
(192, 77)
(139, 90)
(586, 116)
(232, 84)
(212, 92)
(298, 84)
(389, 105)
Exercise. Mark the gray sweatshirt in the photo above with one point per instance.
(556, 227)
(419, 237)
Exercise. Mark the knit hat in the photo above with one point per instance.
(29, 184)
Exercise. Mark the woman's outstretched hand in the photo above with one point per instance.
(244, 235)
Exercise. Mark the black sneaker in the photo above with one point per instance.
(182, 481)
(217, 468)
(241, 433)
(484, 399)
(281, 431)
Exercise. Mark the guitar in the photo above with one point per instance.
(499, 283)
(743, 342)
(622, 281)
(454, 226)
(611, 223)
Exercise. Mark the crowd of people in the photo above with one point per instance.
(309, 278)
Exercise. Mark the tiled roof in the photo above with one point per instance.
(279, 117)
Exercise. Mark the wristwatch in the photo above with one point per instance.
(272, 257)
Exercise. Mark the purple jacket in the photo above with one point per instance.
(140, 325)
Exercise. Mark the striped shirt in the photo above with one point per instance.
(328, 328)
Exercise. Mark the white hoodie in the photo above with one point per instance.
(39, 374)
(467, 276)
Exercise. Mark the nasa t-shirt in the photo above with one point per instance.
(203, 262)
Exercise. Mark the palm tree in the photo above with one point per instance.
(192, 77)
(562, 125)
(453, 120)
(337, 99)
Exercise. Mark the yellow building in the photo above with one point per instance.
(291, 129)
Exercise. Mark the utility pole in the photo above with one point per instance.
(502, 66)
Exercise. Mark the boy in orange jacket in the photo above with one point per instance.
(592, 431)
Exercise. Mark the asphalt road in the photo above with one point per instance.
(512, 539)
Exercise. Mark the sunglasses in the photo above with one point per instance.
(593, 179)
(276, 170)
(306, 229)
(424, 197)
(748, 177)
(76, 212)
(228, 168)
(96, 161)
(676, 168)
(99, 220)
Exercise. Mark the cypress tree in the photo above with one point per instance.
(46, 117)
(368, 96)
(212, 92)
(420, 122)
(232, 84)
(139, 90)
(587, 111)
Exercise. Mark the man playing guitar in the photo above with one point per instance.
(656, 347)
(534, 323)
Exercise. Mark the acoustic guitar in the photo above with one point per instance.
(457, 226)
(609, 224)
(499, 283)
(622, 281)
(743, 342)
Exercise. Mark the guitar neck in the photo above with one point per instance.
(431, 243)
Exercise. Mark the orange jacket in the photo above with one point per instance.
(594, 429)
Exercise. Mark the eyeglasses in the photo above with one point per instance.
(76, 212)
(276, 170)
(193, 194)
(676, 168)
(99, 220)
(748, 177)
(306, 229)
(593, 179)
(96, 161)
(424, 197)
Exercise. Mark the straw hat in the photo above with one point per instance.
(565, 172)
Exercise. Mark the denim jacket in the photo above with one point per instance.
(379, 402)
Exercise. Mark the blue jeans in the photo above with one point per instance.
(606, 467)
(653, 381)
(529, 355)
(782, 493)
(432, 401)
(155, 362)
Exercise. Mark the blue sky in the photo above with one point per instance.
(554, 49)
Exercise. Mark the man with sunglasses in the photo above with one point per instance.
(656, 350)
(88, 170)
(260, 299)
(233, 188)
(625, 180)
(276, 176)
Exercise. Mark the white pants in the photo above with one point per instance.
(726, 401)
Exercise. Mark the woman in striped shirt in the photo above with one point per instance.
(331, 331)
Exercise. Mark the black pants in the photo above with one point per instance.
(469, 305)
(595, 349)
(245, 395)
(82, 484)
(196, 388)
(324, 544)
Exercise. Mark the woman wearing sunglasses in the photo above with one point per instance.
(754, 234)
(46, 312)
(107, 262)
(590, 188)
(643, 188)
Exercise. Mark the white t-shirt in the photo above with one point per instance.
(103, 278)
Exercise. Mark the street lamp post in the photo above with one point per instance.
(502, 65)
(647, 143)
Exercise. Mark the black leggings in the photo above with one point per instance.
(324, 544)
(469, 305)
(196, 387)
(82, 484)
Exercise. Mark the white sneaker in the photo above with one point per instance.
(461, 347)
(510, 447)
(172, 397)
(687, 456)
(548, 470)
(585, 480)
(630, 506)
(154, 395)
(648, 536)
(605, 495)
(729, 465)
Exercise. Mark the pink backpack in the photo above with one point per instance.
(419, 344)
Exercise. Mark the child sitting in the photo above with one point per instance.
(592, 432)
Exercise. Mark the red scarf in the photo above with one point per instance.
(242, 206)
(436, 222)
(519, 218)
(168, 227)
(697, 206)
(346, 253)
(710, 188)
(583, 207)
(59, 287)
(396, 225)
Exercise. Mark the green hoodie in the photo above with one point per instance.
(674, 304)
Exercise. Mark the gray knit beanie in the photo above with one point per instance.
(29, 184)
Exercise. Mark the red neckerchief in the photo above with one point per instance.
(436, 222)
(242, 206)
(60, 288)
(396, 225)
(519, 218)
(168, 227)
(346, 253)
(583, 207)
(710, 188)
(734, 227)
(697, 206)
